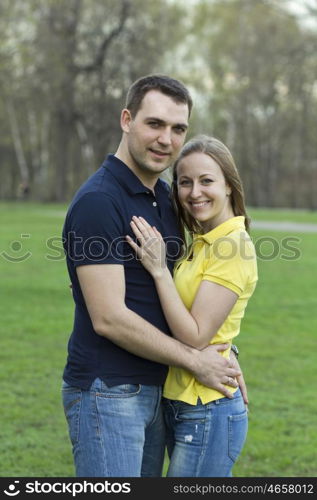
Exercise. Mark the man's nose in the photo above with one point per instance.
(165, 137)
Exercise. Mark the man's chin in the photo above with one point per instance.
(158, 166)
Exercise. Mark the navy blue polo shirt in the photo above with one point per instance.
(94, 232)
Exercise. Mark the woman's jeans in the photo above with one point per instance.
(205, 440)
(115, 431)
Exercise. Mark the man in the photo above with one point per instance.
(120, 347)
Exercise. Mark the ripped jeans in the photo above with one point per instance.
(205, 440)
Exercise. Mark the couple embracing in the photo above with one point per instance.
(160, 285)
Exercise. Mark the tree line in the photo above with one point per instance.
(66, 66)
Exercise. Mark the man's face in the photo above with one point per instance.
(155, 135)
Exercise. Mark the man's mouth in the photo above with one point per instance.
(162, 154)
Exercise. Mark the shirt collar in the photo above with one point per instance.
(127, 178)
(223, 229)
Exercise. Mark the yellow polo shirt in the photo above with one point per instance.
(226, 256)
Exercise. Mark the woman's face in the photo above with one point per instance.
(202, 190)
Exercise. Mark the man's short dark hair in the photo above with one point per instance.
(165, 84)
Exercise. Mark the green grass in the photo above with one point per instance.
(277, 345)
(285, 215)
(277, 342)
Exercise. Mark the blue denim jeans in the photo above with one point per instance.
(115, 431)
(205, 440)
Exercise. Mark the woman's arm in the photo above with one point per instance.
(212, 303)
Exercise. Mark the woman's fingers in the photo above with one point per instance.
(140, 227)
(137, 232)
(144, 222)
(136, 248)
(145, 229)
(152, 231)
(157, 233)
(149, 247)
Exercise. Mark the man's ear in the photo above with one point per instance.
(125, 120)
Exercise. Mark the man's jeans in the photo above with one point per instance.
(205, 440)
(115, 431)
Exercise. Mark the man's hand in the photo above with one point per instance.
(215, 371)
(240, 378)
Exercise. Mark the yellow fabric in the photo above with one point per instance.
(226, 256)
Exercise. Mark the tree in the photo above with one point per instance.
(258, 74)
(74, 61)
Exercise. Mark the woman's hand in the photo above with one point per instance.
(151, 250)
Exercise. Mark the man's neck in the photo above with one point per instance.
(148, 181)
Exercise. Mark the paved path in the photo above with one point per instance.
(294, 227)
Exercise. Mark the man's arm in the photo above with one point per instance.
(103, 287)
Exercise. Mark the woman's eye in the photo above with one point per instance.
(184, 183)
(207, 181)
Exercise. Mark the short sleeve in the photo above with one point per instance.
(230, 263)
(94, 231)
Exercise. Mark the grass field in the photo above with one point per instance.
(277, 344)
(269, 214)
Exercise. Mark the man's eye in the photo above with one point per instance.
(179, 130)
(153, 124)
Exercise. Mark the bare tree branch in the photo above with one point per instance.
(104, 46)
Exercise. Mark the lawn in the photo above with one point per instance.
(277, 345)
(283, 214)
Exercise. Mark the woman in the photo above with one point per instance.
(204, 304)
